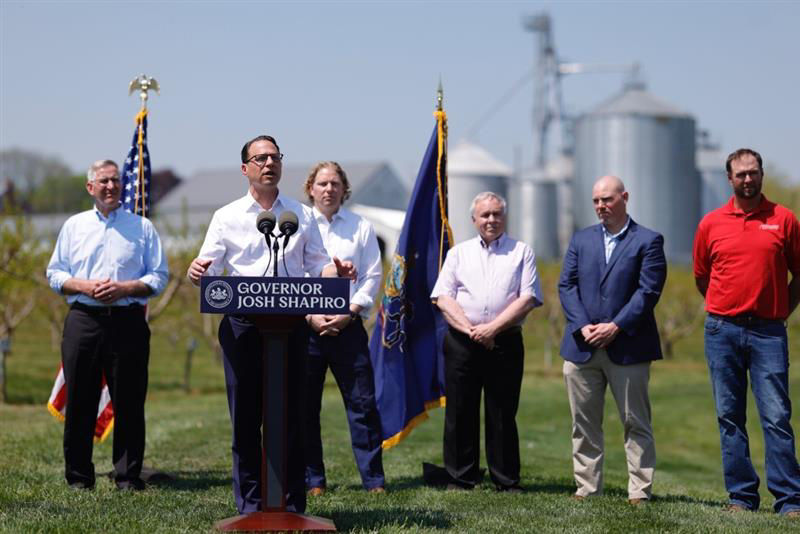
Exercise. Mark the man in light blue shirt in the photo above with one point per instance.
(107, 262)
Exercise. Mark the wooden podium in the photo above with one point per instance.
(276, 306)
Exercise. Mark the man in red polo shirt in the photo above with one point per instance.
(743, 253)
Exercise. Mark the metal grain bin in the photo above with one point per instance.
(651, 146)
(471, 170)
(715, 188)
(540, 205)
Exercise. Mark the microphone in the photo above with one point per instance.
(265, 222)
(287, 223)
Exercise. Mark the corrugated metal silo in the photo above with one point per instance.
(540, 212)
(650, 145)
(715, 188)
(471, 170)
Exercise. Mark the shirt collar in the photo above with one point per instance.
(112, 215)
(321, 219)
(608, 235)
(253, 205)
(494, 244)
(731, 208)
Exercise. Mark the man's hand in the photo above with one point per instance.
(588, 331)
(345, 269)
(197, 268)
(483, 334)
(316, 322)
(329, 325)
(87, 287)
(109, 291)
(601, 335)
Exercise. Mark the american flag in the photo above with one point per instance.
(136, 171)
(57, 406)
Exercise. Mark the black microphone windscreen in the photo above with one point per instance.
(288, 223)
(265, 222)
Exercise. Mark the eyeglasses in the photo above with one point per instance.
(261, 159)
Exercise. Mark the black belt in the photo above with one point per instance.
(746, 319)
(107, 311)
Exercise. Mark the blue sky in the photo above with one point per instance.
(357, 80)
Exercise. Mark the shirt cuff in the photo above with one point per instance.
(57, 280)
(155, 283)
(362, 300)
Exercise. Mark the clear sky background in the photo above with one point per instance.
(356, 81)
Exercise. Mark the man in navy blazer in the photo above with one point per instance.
(611, 280)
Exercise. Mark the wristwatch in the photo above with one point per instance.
(353, 316)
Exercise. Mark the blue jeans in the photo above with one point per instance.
(732, 351)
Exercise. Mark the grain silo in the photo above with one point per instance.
(471, 170)
(715, 190)
(650, 145)
(540, 208)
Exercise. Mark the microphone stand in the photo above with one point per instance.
(275, 249)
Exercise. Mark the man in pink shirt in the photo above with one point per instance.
(487, 286)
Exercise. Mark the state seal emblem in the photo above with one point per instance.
(218, 294)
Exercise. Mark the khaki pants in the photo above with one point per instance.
(586, 387)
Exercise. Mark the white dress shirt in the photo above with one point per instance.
(610, 240)
(236, 247)
(351, 237)
(484, 280)
(122, 247)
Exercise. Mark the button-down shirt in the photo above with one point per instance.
(122, 246)
(351, 237)
(484, 280)
(236, 247)
(611, 240)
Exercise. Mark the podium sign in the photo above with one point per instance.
(247, 295)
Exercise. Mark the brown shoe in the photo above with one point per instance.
(577, 497)
(793, 514)
(637, 502)
(378, 489)
(316, 492)
(731, 507)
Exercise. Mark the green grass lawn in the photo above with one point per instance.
(188, 436)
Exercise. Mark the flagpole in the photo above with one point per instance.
(143, 84)
(441, 173)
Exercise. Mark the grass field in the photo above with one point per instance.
(189, 437)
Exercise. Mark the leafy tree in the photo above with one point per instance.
(60, 194)
(679, 311)
(22, 260)
(28, 169)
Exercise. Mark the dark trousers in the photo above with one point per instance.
(348, 357)
(117, 345)
(241, 346)
(470, 368)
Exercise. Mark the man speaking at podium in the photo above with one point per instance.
(234, 246)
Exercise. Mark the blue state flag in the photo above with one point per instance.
(406, 345)
(136, 171)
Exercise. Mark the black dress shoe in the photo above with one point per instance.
(133, 484)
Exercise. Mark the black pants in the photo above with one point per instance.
(241, 346)
(117, 345)
(470, 368)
